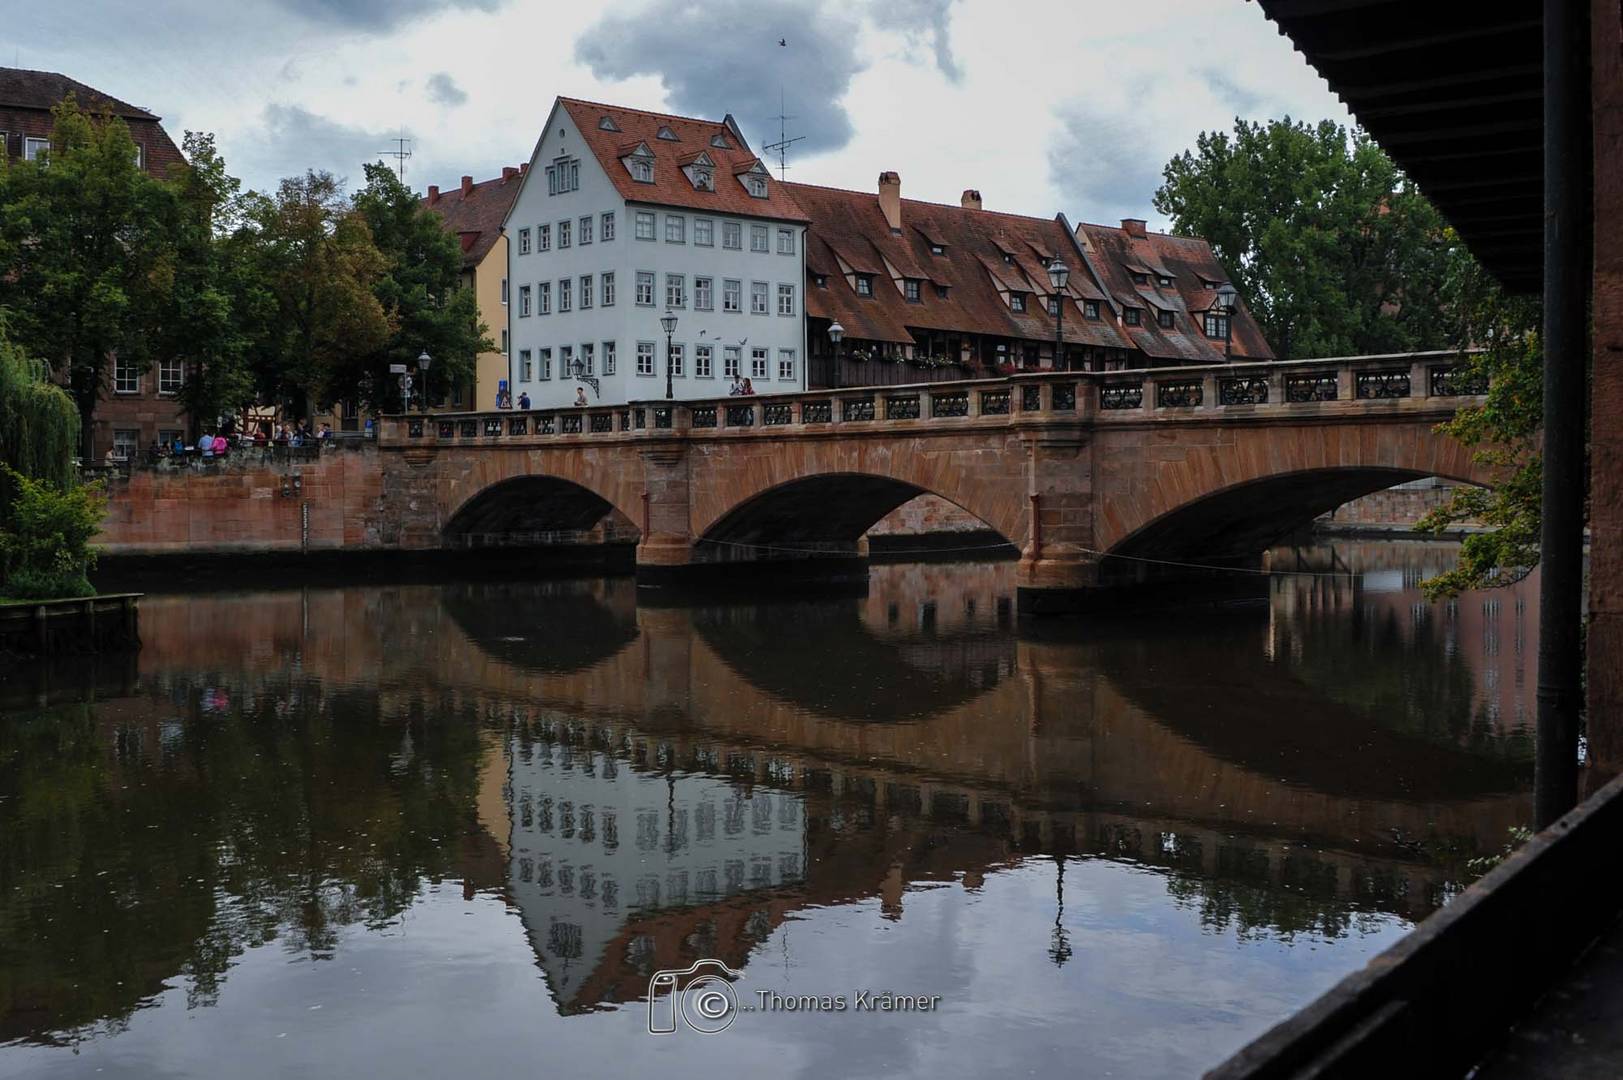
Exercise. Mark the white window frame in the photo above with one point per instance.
(524, 241)
(677, 358)
(524, 301)
(605, 227)
(645, 278)
(645, 218)
(759, 292)
(587, 357)
(583, 234)
(544, 357)
(704, 289)
(171, 376)
(732, 295)
(786, 365)
(703, 361)
(786, 241)
(645, 358)
(586, 292)
(526, 366)
(565, 295)
(33, 145)
(704, 232)
(786, 299)
(732, 236)
(676, 229)
(563, 234)
(676, 290)
(607, 288)
(543, 238)
(126, 377)
(608, 358)
(759, 359)
(731, 360)
(759, 244)
(543, 298)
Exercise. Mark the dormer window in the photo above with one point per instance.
(719, 141)
(1090, 309)
(1164, 319)
(756, 186)
(820, 280)
(1008, 260)
(642, 171)
(910, 289)
(1053, 305)
(1017, 301)
(606, 123)
(1140, 278)
(937, 249)
(864, 284)
(941, 291)
(701, 172)
(1163, 281)
(1132, 316)
(667, 134)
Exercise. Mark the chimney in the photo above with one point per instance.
(508, 172)
(433, 194)
(890, 199)
(523, 167)
(467, 184)
(970, 200)
(1133, 227)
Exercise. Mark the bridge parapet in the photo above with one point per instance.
(1330, 386)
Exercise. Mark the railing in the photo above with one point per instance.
(1156, 395)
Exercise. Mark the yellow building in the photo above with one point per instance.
(475, 213)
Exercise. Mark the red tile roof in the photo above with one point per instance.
(476, 216)
(24, 89)
(671, 186)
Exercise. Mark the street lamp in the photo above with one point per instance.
(668, 322)
(835, 333)
(422, 367)
(1226, 297)
(1058, 275)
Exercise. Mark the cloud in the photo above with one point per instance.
(1244, 101)
(723, 56)
(918, 20)
(444, 90)
(1099, 162)
(295, 139)
(377, 15)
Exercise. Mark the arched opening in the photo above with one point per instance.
(818, 515)
(537, 510)
(545, 628)
(1235, 525)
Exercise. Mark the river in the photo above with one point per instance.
(460, 828)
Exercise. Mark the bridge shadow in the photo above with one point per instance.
(547, 628)
(530, 506)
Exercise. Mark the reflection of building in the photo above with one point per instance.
(596, 842)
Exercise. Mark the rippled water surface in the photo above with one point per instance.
(457, 829)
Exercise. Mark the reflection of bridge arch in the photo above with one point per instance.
(548, 628)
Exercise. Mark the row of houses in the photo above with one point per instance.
(637, 251)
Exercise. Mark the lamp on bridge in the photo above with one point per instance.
(1226, 298)
(1058, 275)
(668, 322)
(423, 360)
(578, 372)
(835, 333)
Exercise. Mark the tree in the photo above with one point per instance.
(313, 255)
(39, 423)
(45, 551)
(86, 254)
(1334, 250)
(421, 290)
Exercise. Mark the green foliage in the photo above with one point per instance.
(45, 550)
(1333, 250)
(86, 253)
(1517, 836)
(421, 290)
(39, 424)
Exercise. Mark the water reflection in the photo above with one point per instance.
(299, 772)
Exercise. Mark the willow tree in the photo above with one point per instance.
(39, 424)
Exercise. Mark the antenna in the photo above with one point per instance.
(784, 142)
(400, 153)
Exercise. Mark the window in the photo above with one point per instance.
(523, 301)
(566, 361)
(1131, 316)
(1217, 326)
(1163, 281)
(756, 186)
(586, 358)
(586, 229)
(757, 363)
(1090, 309)
(719, 141)
(729, 361)
(704, 178)
(704, 232)
(563, 235)
(864, 284)
(126, 443)
(937, 249)
(758, 297)
(667, 134)
(675, 290)
(171, 375)
(702, 355)
(1164, 319)
(820, 280)
(563, 295)
(126, 376)
(676, 358)
(546, 362)
(543, 302)
(732, 235)
(942, 291)
(645, 358)
(563, 175)
(140, 156)
(910, 289)
(543, 237)
(642, 170)
(504, 342)
(1140, 278)
(526, 366)
(504, 291)
(758, 238)
(645, 225)
(608, 358)
(524, 241)
(607, 123)
(606, 227)
(701, 294)
(732, 295)
(585, 291)
(1053, 305)
(786, 241)
(786, 299)
(608, 288)
(1017, 301)
(676, 229)
(166, 436)
(34, 148)
(786, 363)
(645, 288)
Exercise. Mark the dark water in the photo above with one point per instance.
(456, 829)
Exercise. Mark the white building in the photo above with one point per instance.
(626, 215)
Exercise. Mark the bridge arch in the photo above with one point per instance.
(515, 492)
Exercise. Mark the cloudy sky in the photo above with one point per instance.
(1043, 105)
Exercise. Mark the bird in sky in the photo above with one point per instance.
(783, 43)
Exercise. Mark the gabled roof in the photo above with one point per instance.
(21, 88)
(476, 217)
(670, 186)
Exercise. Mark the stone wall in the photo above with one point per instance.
(1399, 506)
(925, 515)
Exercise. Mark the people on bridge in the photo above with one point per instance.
(737, 386)
(749, 387)
(524, 399)
(580, 397)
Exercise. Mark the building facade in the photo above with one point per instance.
(624, 217)
(137, 405)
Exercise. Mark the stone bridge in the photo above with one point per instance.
(1096, 477)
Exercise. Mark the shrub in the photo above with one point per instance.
(45, 551)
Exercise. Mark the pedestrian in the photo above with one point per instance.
(523, 399)
(749, 387)
(580, 397)
(737, 387)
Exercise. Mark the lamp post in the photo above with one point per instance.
(668, 321)
(423, 360)
(1058, 275)
(1226, 297)
(835, 333)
